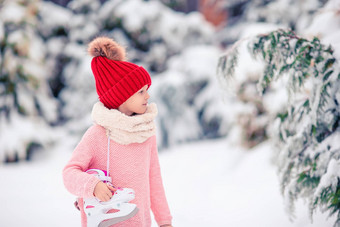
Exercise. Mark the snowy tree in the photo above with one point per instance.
(246, 19)
(243, 14)
(188, 99)
(307, 130)
(27, 106)
(67, 31)
(299, 84)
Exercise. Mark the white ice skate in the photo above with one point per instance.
(97, 211)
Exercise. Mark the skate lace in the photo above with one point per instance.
(108, 157)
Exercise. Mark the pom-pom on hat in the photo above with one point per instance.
(116, 79)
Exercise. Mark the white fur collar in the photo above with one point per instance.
(125, 129)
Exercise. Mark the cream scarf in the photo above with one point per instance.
(125, 129)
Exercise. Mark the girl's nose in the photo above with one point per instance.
(147, 95)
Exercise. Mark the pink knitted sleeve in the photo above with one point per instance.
(76, 180)
(159, 204)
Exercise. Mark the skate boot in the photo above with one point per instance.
(97, 212)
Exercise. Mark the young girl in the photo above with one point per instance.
(122, 139)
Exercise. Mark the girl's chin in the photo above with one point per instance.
(141, 111)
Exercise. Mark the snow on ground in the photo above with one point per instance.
(209, 183)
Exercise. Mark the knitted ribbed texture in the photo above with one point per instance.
(133, 166)
(116, 81)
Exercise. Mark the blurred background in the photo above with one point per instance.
(215, 142)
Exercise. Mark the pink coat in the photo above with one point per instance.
(134, 165)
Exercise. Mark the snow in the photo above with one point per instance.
(10, 135)
(197, 61)
(14, 13)
(57, 16)
(147, 11)
(329, 178)
(326, 25)
(208, 183)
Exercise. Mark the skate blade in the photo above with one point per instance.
(113, 221)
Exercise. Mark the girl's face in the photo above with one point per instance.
(137, 103)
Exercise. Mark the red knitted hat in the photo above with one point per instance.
(116, 79)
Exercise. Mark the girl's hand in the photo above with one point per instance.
(167, 225)
(103, 192)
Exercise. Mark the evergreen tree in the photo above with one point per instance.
(27, 107)
(307, 130)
